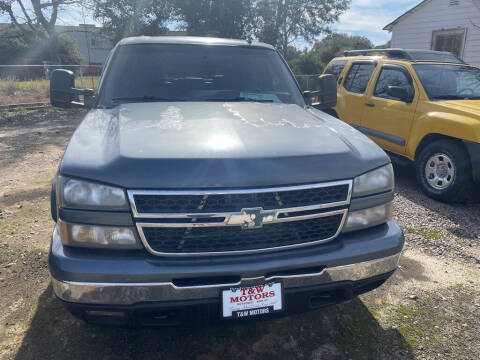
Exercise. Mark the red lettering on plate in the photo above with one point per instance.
(265, 295)
(271, 293)
(233, 299)
(243, 298)
(258, 296)
(260, 289)
(244, 291)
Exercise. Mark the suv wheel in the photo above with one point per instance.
(444, 171)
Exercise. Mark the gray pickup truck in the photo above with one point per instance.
(202, 185)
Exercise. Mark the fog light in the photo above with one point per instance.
(98, 236)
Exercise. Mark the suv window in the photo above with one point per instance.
(449, 82)
(358, 76)
(336, 67)
(391, 77)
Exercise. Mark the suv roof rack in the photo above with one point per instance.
(410, 55)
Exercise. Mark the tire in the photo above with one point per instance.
(444, 171)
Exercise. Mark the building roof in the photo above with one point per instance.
(390, 26)
(191, 40)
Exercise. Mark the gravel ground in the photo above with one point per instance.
(428, 310)
(446, 231)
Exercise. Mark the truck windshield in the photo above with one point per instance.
(171, 72)
(449, 82)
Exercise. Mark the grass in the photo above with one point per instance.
(437, 319)
(29, 91)
(429, 234)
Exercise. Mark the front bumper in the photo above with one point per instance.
(118, 278)
(131, 293)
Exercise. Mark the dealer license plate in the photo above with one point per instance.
(250, 301)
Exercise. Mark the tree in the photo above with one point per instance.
(387, 45)
(282, 22)
(222, 18)
(122, 18)
(306, 64)
(335, 44)
(34, 26)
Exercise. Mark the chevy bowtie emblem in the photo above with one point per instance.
(253, 218)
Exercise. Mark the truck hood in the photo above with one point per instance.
(216, 145)
(469, 108)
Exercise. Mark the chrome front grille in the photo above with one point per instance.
(222, 222)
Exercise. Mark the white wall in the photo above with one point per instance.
(414, 31)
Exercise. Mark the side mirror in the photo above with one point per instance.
(63, 93)
(61, 84)
(325, 96)
(400, 93)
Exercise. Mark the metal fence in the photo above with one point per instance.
(29, 85)
(307, 82)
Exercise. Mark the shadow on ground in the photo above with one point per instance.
(344, 331)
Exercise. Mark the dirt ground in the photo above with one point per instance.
(430, 309)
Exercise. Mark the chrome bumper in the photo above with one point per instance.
(131, 293)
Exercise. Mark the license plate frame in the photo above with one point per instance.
(253, 304)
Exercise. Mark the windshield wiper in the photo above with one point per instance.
(145, 98)
(240, 99)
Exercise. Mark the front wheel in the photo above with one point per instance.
(444, 171)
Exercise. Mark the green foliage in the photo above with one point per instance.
(223, 18)
(123, 18)
(67, 51)
(277, 22)
(282, 22)
(307, 63)
(335, 44)
(11, 45)
(25, 49)
(387, 45)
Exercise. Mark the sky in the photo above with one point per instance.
(369, 17)
(365, 17)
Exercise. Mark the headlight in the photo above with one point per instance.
(79, 194)
(98, 236)
(362, 219)
(374, 182)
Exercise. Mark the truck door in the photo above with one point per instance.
(387, 119)
(351, 95)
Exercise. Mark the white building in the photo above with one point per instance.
(445, 25)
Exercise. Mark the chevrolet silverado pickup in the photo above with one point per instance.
(202, 185)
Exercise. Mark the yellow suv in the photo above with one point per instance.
(421, 105)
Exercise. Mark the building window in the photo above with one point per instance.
(449, 40)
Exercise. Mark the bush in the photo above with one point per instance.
(28, 50)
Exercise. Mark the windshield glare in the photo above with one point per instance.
(169, 72)
(449, 82)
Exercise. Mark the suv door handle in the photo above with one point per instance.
(369, 104)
